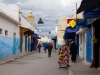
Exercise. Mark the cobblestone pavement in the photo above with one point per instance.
(34, 64)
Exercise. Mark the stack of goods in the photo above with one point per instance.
(63, 55)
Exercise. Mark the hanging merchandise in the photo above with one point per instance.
(63, 56)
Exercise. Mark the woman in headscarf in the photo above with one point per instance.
(73, 49)
(50, 46)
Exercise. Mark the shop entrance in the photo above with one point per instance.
(25, 43)
(97, 45)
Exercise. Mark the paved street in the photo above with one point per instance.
(34, 64)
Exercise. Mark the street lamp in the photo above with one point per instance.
(40, 21)
(49, 32)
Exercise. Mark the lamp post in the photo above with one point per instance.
(40, 21)
(49, 32)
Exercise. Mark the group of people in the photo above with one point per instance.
(46, 46)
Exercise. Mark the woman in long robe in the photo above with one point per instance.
(73, 49)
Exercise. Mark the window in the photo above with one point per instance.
(6, 32)
(0, 31)
(14, 34)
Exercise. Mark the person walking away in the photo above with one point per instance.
(73, 49)
(45, 46)
(39, 47)
(49, 49)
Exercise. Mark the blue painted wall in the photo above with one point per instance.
(8, 46)
(89, 45)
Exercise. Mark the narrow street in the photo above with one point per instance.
(34, 64)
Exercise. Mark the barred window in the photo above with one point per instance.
(6, 32)
(0, 31)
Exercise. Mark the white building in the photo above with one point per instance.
(21, 32)
(9, 35)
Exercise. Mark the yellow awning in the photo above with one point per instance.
(22, 30)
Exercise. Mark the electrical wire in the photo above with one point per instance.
(42, 16)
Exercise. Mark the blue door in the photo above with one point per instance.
(89, 45)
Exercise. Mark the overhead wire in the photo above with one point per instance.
(52, 16)
(41, 16)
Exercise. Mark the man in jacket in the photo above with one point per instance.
(50, 46)
(39, 47)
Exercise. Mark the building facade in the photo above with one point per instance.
(9, 35)
(17, 31)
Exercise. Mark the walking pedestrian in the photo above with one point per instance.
(73, 49)
(39, 47)
(45, 46)
(50, 46)
(31, 46)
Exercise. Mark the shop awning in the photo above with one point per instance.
(54, 38)
(22, 30)
(36, 36)
(81, 23)
(89, 21)
(87, 5)
(69, 36)
(71, 30)
(29, 32)
(81, 31)
(95, 13)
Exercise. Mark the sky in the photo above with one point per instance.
(48, 10)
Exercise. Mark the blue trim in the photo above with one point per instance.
(71, 30)
(89, 21)
(88, 46)
(95, 13)
(35, 36)
(69, 35)
(81, 23)
(54, 38)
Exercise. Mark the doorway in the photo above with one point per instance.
(25, 43)
(97, 45)
(21, 42)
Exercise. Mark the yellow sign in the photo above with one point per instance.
(72, 23)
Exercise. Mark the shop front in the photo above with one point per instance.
(34, 43)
